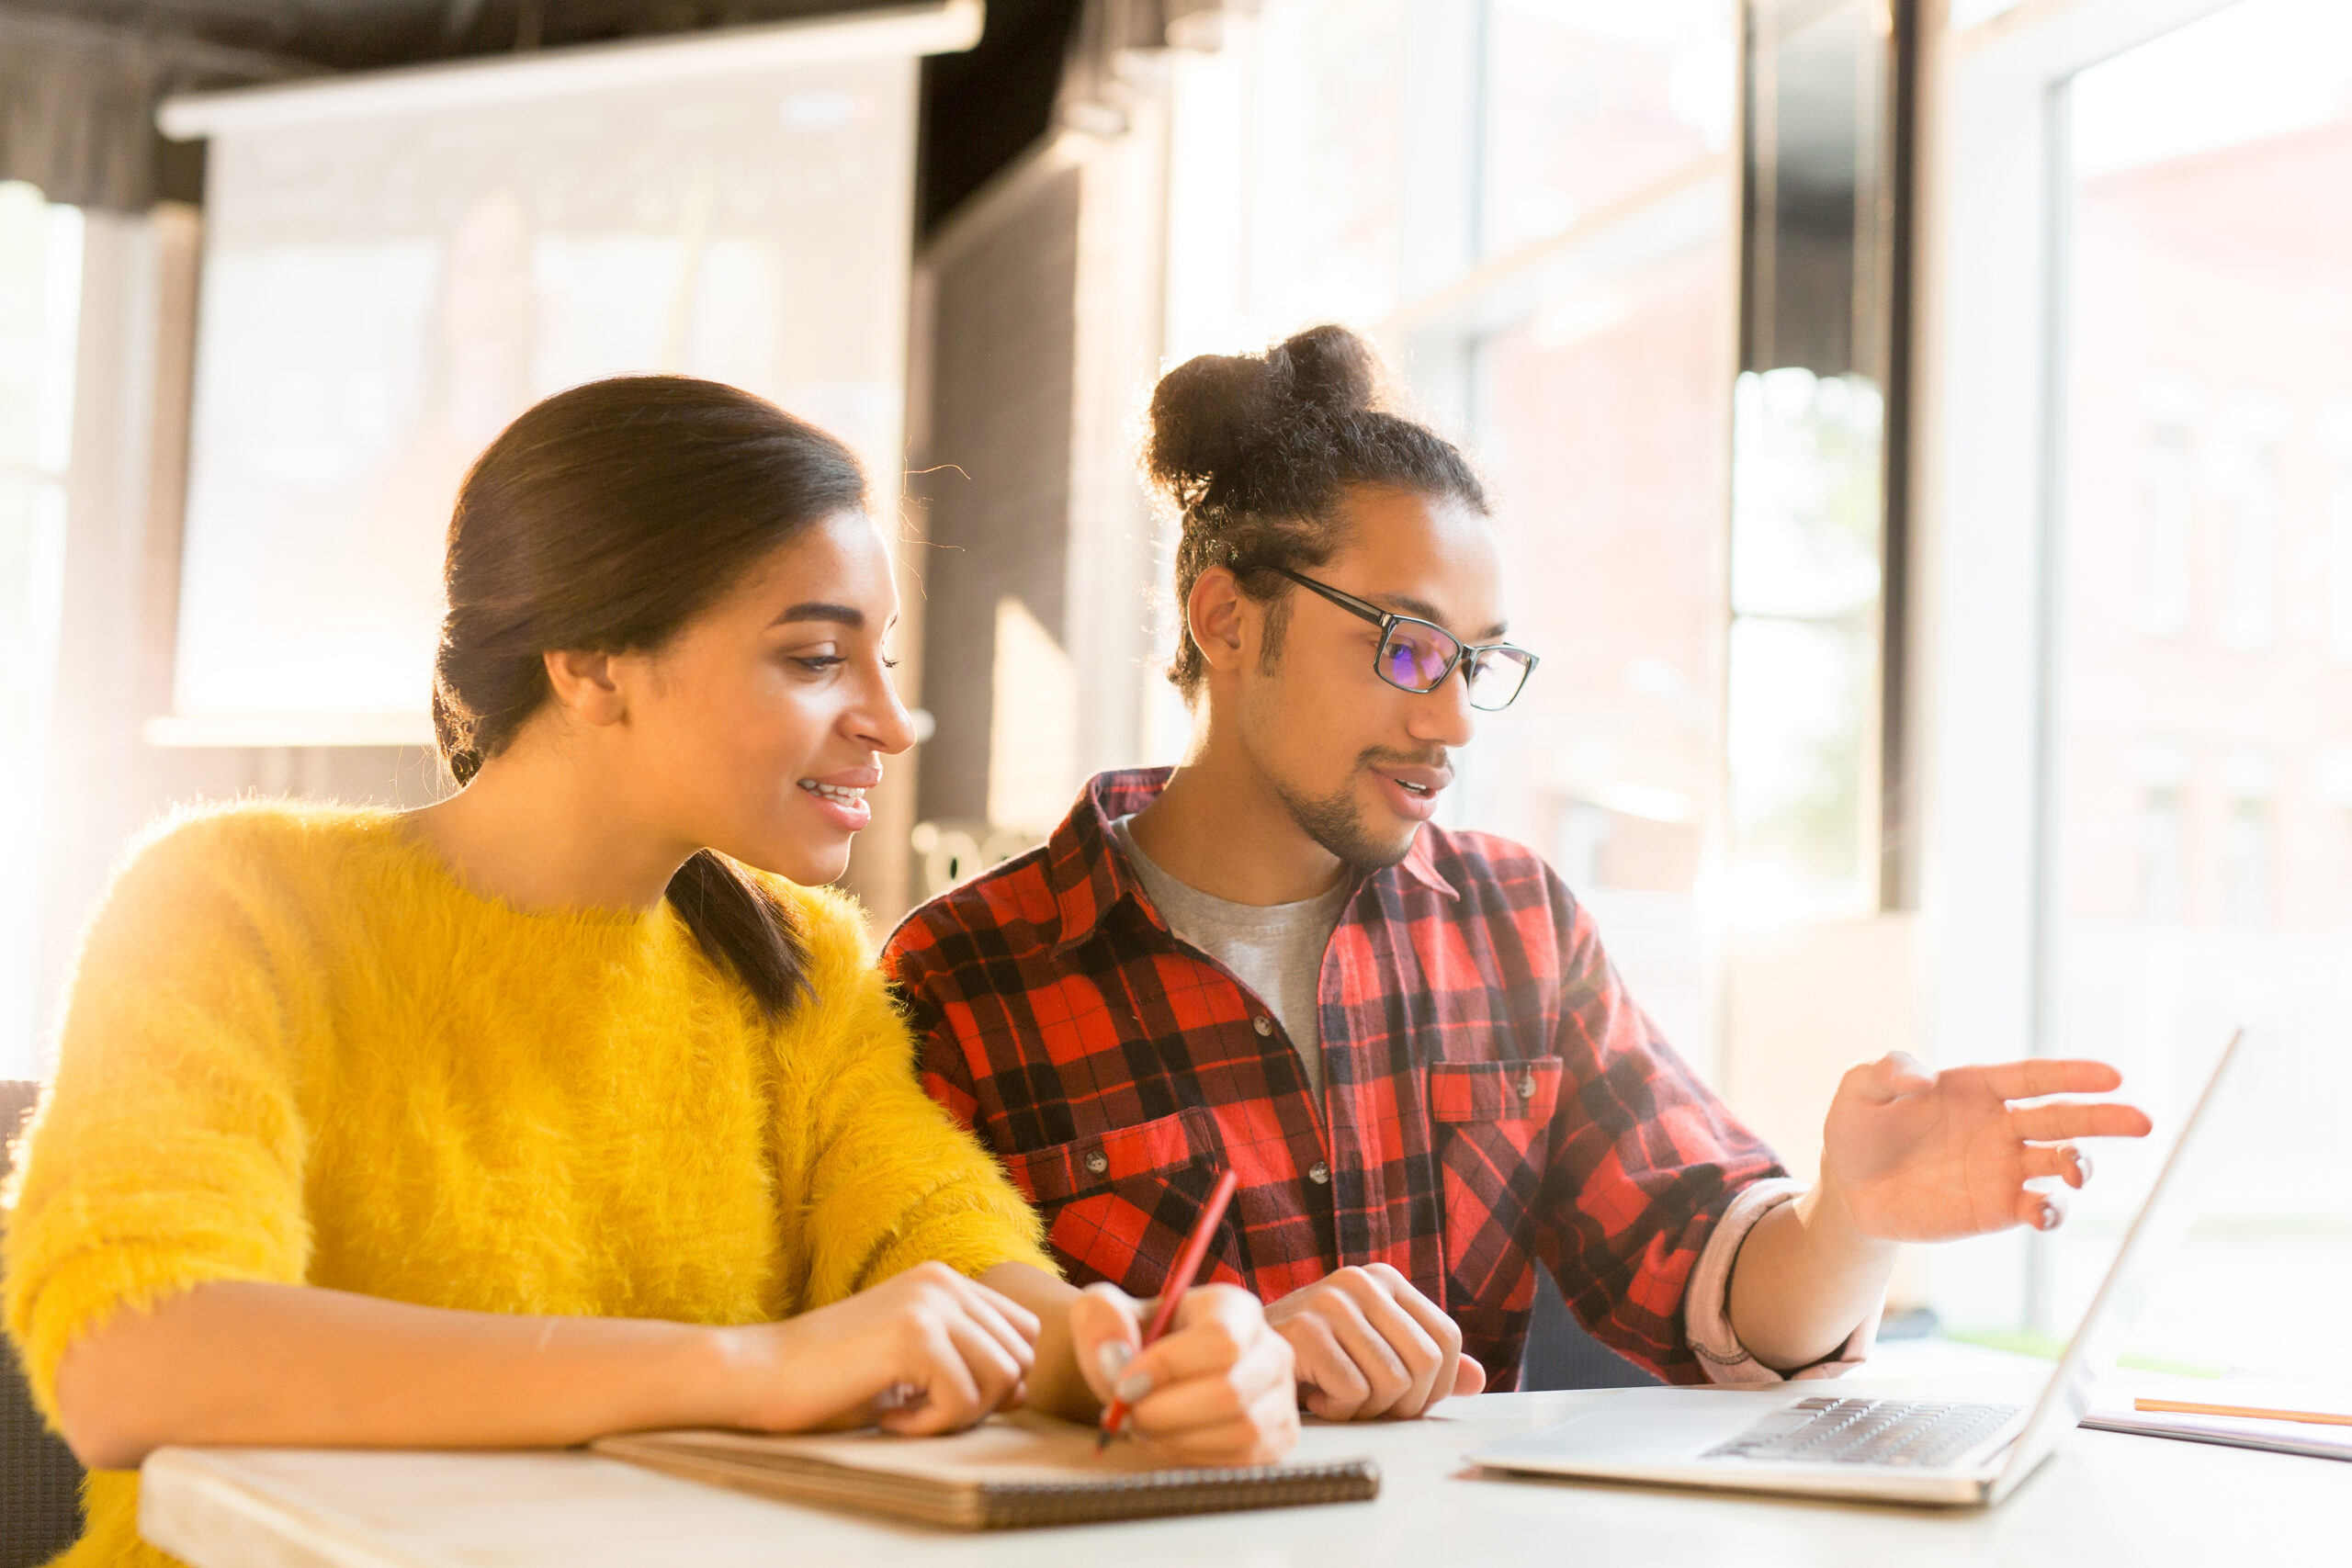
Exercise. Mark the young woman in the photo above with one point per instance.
(536, 1114)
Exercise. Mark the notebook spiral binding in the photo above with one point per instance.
(1163, 1493)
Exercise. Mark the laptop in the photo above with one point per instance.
(1795, 1439)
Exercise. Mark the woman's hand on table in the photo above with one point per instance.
(1218, 1388)
(923, 1352)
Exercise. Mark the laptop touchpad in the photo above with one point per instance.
(1645, 1424)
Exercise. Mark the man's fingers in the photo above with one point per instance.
(1336, 1390)
(1414, 1348)
(1469, 1377)
(2039, 1076)
(2056, 1124)
(1386, 1374)
(1447, 1336)
(2043, 1211)
(2062, 1160)
(1892, 1076)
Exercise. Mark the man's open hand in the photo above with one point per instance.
(1932, 1156)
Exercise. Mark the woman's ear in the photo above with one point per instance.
(1213, 611)
(583, 684)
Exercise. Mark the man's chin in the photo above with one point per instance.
(1366, 838)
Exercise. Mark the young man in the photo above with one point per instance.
(1407, 1040)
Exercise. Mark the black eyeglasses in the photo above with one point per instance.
(1418, 655)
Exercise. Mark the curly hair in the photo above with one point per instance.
(1257, 450)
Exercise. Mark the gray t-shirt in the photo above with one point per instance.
(1276, 949)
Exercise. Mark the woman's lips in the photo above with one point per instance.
(845, 806)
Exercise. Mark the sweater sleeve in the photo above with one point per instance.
(893, 1181)
(168, 1151)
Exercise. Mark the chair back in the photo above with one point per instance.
(41, 1484)
(1560, 1353)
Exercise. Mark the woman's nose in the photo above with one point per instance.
(883, 722)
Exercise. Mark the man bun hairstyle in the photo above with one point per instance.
(602, 521)
(1256, 451)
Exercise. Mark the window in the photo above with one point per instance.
(2252, 482)
(2205, 347)
(2246, 844)
(1529, 203)
(1590, 102)
(2335, 434)
(1601, 422)
(2164, 842)
(41, 278)
(1818, 465)
(2164, 602)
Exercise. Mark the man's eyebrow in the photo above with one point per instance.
(1405, 604)
(816, 610)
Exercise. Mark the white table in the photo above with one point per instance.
(2101, 1499)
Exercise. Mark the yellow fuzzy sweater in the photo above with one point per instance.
(297, 1050)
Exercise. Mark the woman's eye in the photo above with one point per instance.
(818, 663)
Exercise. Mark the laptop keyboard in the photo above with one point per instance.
(1907, 1432)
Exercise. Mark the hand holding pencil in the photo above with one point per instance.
(1215, 1384)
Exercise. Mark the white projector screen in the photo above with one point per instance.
(395, 267)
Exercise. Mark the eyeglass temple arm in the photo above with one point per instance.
(1347, 601)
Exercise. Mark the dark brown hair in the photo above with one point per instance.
(1256, 451)
(602, 520)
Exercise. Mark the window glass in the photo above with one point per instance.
(1603, 427)
(1811, 433)
(1593, 380)
(2203, 701)
(41, 273)
(1588, 102)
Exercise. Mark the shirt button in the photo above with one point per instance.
(1097, 1162)
(1262, 1025)
(1527, 1087)
(1319, 1173)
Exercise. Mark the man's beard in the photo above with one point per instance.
(1336, 822)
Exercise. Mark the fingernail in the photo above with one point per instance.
(2048, 1219)
(2083, 1164)
(1133, 1387)
(1112, 1358)
(900, 1396)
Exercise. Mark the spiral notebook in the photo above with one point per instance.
(1009, 1473)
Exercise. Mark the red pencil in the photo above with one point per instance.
(1180, 1280)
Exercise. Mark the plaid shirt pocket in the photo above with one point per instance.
(1118, 1204)
(1491, 1123)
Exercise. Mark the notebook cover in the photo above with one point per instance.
(2310, 1441)
(1010, 1473)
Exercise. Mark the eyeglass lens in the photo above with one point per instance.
(1417, 656)
(1495, 676)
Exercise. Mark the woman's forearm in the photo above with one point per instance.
(295, 1366)
(1056, 1386)
(1806, 1278)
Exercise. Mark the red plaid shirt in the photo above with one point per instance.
(1493, 1098)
